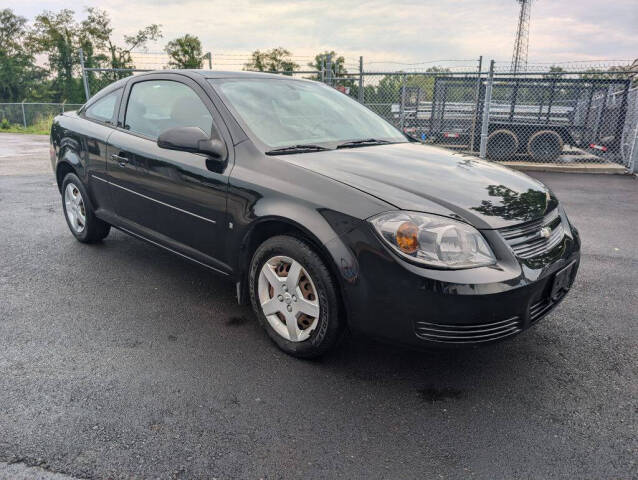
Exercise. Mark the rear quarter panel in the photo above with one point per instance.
(81, 144)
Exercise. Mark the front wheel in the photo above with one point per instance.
(80, 218)
(295, 297)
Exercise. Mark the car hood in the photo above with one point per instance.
(418, 177)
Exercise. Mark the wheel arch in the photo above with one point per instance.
(68, 162)
(61, 171)
(268, 227)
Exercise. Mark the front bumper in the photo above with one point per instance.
(391, 299)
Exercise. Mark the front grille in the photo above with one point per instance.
(475, 333)
(526, 240)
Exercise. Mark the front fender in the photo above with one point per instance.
(321, 227)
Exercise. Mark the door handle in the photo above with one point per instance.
(121, 160)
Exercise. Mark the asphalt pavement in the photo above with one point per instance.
(120, 360)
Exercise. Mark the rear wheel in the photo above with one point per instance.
(502, 145)
(545, 146)
(295, 297)
(80, 218)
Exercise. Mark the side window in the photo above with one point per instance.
(103, 109)
(154, 106)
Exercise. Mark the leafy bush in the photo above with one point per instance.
(40, 126)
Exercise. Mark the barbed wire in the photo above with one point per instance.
(238, 61)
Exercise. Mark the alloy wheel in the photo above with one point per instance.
(75, 208)
(288, 298)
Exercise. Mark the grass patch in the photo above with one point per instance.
(41, 126)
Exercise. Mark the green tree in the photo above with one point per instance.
(337, 63)
(18, 72)
(274, 60)
(611, 73)
(96, 35)
(56, 35)
(185, 52)
(389, 87)
(554, 72)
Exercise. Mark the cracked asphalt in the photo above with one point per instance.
(119, 360)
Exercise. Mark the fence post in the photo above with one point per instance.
(323, 69)
(485, 124)
(24, 117)
(402, 114)
(329, 68)
(63, 105)
(84, 78)
(361, 97)
(477, 96)
(632, 166)
(209, 55)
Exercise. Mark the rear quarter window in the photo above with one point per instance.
(103, 109)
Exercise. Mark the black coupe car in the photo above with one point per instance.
(324, 215)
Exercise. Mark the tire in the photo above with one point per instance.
(296, 333)
(78, 212)
(545, 146)
(502, 144)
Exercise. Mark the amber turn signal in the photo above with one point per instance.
(407, 237)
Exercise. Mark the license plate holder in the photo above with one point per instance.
(561, 282)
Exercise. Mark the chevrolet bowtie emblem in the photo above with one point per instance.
(545, 232)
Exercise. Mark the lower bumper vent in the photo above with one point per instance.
(474, 333)
(542, 307)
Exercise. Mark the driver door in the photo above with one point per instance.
(168, 196)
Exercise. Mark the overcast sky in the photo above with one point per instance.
(404, 31)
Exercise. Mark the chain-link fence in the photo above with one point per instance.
(568, 118)
(572, 113)
(28, 114)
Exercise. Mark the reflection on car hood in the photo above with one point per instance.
(430, 179)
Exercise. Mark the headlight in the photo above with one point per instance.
(435, 241)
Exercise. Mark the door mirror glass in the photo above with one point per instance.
(194, 140)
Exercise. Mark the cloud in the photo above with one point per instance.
(402, 31)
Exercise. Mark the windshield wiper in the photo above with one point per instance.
(361, 143)
(302, 148)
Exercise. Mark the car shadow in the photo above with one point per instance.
(232, 331)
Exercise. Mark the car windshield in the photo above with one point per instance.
(291, 113)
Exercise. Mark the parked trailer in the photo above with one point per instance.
(534, 116)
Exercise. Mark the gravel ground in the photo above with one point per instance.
(120, 360)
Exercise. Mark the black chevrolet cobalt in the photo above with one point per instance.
(324, 215)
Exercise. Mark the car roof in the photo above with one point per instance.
(222, 74)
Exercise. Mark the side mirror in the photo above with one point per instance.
(194, 140)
